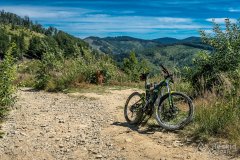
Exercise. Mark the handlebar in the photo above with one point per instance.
(167, 74)
(164, 69)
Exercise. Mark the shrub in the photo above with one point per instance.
(7, 76)
(48, 66)
(209, 68)
(133, 68)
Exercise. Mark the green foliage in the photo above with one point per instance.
(208, 69)
(226, 43)
(7, 76)
(49, 65)
(33, 40)
(4, 41)
(70, 45)
(57, 74)
(37, 47)
(217, 116)
(133, 68)
(84, 70)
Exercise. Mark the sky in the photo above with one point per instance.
(146, 19)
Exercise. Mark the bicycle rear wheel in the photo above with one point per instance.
(133, 111)
(174, 111)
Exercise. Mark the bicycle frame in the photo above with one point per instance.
(157, 92)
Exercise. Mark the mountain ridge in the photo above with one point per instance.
(177, 52)
(163, 40)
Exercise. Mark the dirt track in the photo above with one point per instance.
(84, 126)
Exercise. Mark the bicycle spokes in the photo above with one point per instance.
(174, 110)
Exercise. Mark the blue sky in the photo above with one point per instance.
(147, 19)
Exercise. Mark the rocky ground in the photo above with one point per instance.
(85, 126)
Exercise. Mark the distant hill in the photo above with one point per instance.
(191, 40)
(167, 40)
(171, 51)
(32, 39)
(119, 45)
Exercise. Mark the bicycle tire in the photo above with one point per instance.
(136, 108)
(163, 113)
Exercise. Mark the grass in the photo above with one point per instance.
(215, 118)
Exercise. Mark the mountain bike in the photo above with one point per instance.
(173, 110)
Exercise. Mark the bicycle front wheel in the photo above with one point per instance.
(133, 111)
(174, 111)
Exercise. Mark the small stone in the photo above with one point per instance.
(94, 152)
(61, 121)
(128, 140)
(23, 134)
(99, 156)
(109, 145)
(61, 146)
(177, 144)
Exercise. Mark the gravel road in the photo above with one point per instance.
(82, 126)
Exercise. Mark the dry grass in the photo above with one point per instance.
(215, 118)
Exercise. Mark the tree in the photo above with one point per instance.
(133, 68)
(49, 63)
(37, 47)
(7, 76)
(4, 42)
(209, 68)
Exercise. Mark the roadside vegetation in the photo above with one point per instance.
(215, 78)
(7, 77)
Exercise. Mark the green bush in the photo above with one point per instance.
(7, 77)
(56, 74)
(48, 67)
(133, 68)
(208, 68)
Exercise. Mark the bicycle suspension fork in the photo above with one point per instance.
(170, 100)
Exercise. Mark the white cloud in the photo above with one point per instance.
(233, 10)
(174, 20)
(140, 22)
(43, 12)
(221, 20)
